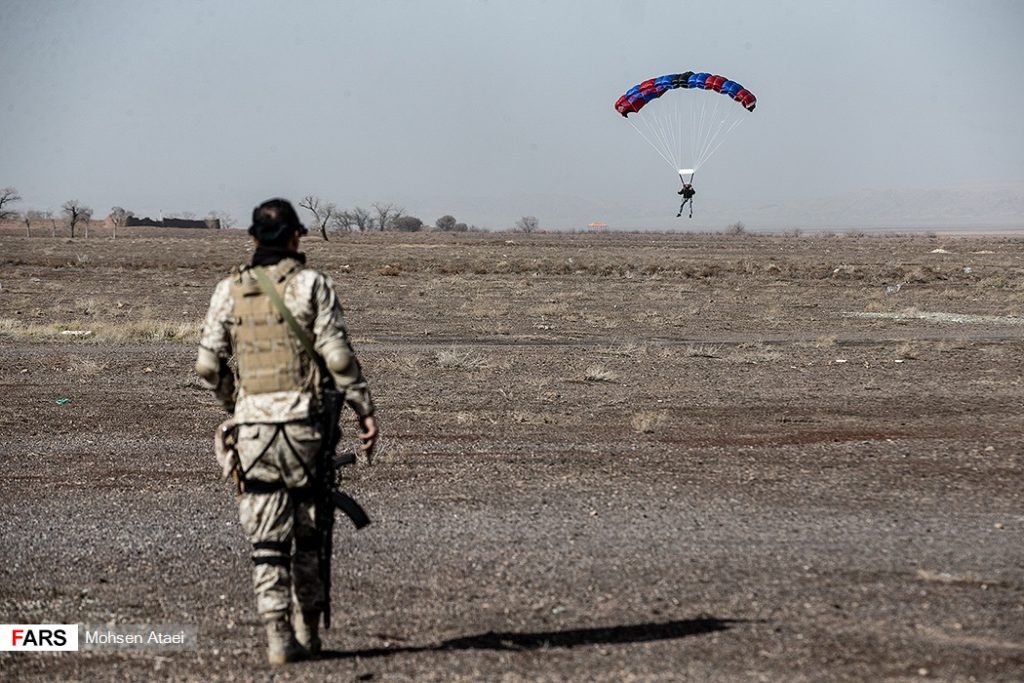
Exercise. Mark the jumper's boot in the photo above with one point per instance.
(281, 644)
(307, 630)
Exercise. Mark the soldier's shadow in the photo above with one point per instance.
(577, 637)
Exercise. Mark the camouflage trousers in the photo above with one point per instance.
(276, 508)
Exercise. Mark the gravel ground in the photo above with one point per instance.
(756, 486)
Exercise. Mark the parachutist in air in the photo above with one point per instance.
(687, 191)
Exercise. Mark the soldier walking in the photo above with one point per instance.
(278, 414)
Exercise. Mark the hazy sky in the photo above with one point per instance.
(494, 110)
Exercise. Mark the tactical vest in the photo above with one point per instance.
(270, 358)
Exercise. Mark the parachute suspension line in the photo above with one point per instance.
(694, 134)
(665, 133)
(720, 141)
(656, 131)
(653, 146)
(685, 130)
(708, 123)
(708, 130)
(732, 118)
(682, 133)
(677, 129)
(699, 129)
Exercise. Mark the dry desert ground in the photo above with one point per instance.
(607, 457)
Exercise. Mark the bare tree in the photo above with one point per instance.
(342, 221)
(8, 196)
(527, 224)
(74, 213)
(323, 212)
(223, 219)
(28, 218)
(361, 218)
(48, 215)
(446, 222)
(119, 218)
(387, 214)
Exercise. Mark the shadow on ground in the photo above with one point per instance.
(512, 641)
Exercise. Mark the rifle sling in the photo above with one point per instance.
(353, 510)
(342, 501)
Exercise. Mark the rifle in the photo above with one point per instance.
(327, 495)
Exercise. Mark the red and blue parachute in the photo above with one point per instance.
(686, 128)
(642, 93)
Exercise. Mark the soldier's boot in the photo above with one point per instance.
(282, 647)
(307, 630)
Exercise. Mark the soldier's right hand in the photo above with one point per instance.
(368, 436)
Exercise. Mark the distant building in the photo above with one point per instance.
(206, 224)
(596, 225)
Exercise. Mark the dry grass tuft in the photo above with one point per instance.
(628, 350)
(597, 373)
(755, 353)
(133, 330)
(87, 367)
(702, 351)
(907, 351)
(87, 306)
(453, 359)
(399, 362)
(647, 421)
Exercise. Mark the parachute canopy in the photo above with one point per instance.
(686, 128)
(640, 94)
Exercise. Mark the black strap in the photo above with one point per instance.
(307, 543)
(260, 487)
(277, 430)
(302, 495)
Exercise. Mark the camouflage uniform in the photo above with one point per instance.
(278, 437)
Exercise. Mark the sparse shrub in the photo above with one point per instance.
(527, 224)
(408, 224)
(736, 229)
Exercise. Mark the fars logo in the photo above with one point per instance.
(39, 637)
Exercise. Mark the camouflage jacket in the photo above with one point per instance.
(311, 299)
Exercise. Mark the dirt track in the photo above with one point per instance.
(607, 457)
